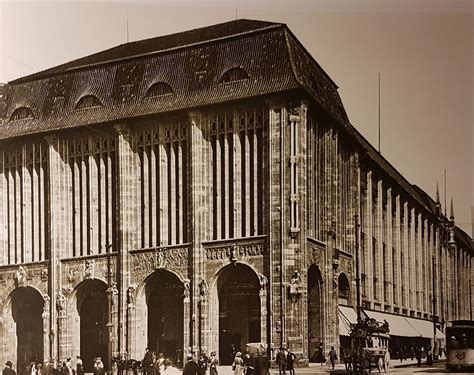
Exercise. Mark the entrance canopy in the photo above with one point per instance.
(399, 325)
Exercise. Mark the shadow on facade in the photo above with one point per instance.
(315, 311)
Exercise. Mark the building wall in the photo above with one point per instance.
(272, 186)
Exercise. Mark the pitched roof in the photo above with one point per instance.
(191, 63)
(159, 44)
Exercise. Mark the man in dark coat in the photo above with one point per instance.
(8, 369)
(281, 361)
(191, 367)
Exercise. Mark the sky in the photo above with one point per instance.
(423, 50)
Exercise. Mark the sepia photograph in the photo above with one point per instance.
(236, 187)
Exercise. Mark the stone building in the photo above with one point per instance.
(198, 191)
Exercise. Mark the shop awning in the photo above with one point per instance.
(398, 324)
(424, 328)
(405, 326)
(347, 316)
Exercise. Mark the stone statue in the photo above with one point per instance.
(60, 302)
(131, 296)
(89, 270)
(115, 294)
(233, 253)
(295, 286)
(187, 287)
(203, 288)
(46, 305)
(262, 280)
(160, 258)
(20, 277)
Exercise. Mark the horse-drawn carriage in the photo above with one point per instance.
(369, 347)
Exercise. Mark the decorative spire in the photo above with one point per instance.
(451, 211)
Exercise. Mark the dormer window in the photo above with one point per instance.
(21, 113)
(88, 101)
(234, 74)
(159, 89)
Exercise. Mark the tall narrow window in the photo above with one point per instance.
(294, 212)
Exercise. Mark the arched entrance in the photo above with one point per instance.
(239, 310)
(27, 308)
(92, 307)
(164, 297)
(315, 311)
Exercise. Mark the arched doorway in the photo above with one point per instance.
(93, 314)
(239, 310)
(164, 296)
(27, 308)
(315, 311)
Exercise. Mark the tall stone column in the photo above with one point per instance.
(61, 308)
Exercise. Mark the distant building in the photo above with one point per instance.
(198, 191)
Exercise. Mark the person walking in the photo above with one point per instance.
(333, 357)
(191, 367)
(238, 364)
(8, 369)
(202, 363)
(321, 358)
(79, 366)
(281, 361)
(213, 364)
(290, 362)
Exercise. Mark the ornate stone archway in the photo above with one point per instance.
(237, 309)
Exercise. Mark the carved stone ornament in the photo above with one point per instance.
(115, 293)
(60, 302)
(44, 275)
(203, 288)
(233, 254)
(89, 269)
(160, 260)
(295, 286)
(263, 281)
(46, 305)
(20, 277)
(187, 287)
(131, 295)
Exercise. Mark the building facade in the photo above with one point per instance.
(201, 191)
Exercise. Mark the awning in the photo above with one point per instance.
(405, 326)
(397, 324)
(347, 316)
(424, 328)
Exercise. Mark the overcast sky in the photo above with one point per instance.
(423, 50)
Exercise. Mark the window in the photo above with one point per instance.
(159, 89)
(234, 74)
(21, 114)
(343, 286)
(88, 101)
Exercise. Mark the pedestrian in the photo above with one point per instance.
(290, 362)
(79, 366)
(333, 356)
(8, 369)
(202, 363)
(321, 358)
(238, 364)
(147, 362)
(168, 368)
(418, 356)
(281, 361)
(249, 363)
(98, 366)
(39, 369)
(213, 364)
(191, 367)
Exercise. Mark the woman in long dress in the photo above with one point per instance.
(238, 365)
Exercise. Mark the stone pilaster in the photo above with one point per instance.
(127, 215)
(199, 196)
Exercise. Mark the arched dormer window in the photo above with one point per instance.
(21, 113)
(159, 89)
(88, 101)
(234, 74)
